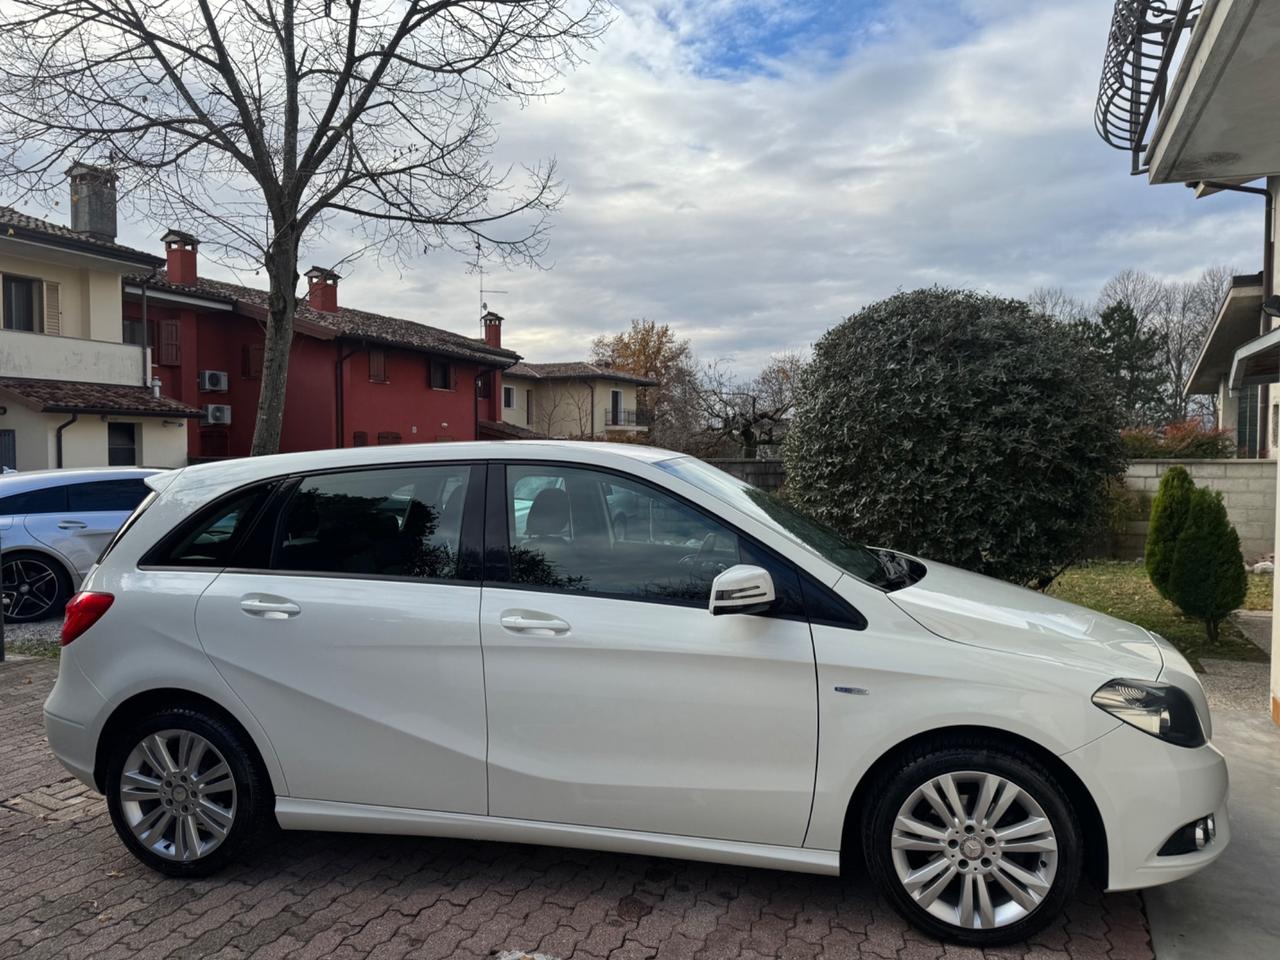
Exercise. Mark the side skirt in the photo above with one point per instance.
(295, 814)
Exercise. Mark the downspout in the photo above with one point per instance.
(146, 332)
(74, 418)
(340, 394)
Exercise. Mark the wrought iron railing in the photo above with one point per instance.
(626, 418)
(1141, 47)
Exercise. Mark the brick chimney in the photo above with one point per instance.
(492, 329)
(93, 201)
(322, 289)
(493, 337)
(180, 256)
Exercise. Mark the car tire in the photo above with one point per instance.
(998, 872)
(24, 567)
(187, 816)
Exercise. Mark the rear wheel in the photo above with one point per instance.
(975, 846)
(185, 793)
(34, 587)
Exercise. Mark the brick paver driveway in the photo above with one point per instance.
(68, 889)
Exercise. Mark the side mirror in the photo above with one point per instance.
(742, 589)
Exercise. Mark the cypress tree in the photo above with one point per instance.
(1207, 577)
(1168, 512)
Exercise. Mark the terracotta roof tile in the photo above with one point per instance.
(576, 370)
(350, 323)
(15, 223)
(70, 396)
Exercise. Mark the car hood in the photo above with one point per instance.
(973, 609)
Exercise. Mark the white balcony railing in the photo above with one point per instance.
(40, 357)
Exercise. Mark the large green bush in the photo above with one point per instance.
(1168, 513)
(1207, 576)
(961, 427)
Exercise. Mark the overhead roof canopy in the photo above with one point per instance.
(1221, 119)
(1237, 323)
(1258, 361)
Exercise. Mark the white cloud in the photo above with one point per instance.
(951, 143)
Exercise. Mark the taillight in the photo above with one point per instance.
(83, 611)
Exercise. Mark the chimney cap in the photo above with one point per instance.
(77, 170)
(178, 236)
(322, 273)
(491, 317)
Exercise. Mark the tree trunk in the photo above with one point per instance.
(282, 273)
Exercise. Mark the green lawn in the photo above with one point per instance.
(1121, 589)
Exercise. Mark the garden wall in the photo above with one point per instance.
(1248, 489)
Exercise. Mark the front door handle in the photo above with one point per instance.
(71, 525)
(269, 608)
(538, 624)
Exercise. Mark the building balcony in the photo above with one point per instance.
(623, 418)
(38, 356)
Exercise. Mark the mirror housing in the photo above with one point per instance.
(742, 589)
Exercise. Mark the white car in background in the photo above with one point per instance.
(458, 640)
(53, 525)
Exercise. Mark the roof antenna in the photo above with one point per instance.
(478, 267)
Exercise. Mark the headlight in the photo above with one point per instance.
(1159, 709)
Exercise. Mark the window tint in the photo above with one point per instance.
(211, 537)
(106, 495)
(47, 500)
(576, 529)
(403, 522)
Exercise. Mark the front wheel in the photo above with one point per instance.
(184, 792)
(975, 846)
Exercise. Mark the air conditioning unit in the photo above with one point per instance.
(214, 381)
(217, 413)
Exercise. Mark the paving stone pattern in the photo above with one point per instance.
(69, 890)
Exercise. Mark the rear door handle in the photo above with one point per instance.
(269, 608)
(71, 525)
(539, 624)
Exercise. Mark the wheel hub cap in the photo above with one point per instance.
(178, 795)
(974, 849)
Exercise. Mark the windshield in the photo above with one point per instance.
(874, 566)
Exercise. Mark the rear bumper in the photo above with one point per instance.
(1145, 790)
(70, 714)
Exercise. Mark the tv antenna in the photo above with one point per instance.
(478, 267)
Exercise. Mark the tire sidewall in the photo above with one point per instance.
(1025, 774)
(252, 796)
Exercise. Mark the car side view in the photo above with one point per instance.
(619, 648)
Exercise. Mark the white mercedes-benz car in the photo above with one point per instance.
(465, 640)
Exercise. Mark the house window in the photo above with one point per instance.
(23, 304)
(484, 386)
(388, 437)
(509, 397)
(8, 449)
(378, 366)
(122, 445)
(251, 361)
(360, 439)
(170, 342)
(528, 406)
(441, 375)
(134, 331)
(215, 443)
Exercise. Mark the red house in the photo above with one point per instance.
(355, 377)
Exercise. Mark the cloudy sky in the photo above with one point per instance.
(750, 171)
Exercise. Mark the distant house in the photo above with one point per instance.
(75, 388)
(1244, 405)
(576, 400)
(355, 378)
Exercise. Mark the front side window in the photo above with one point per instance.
(106, 495)
(401, 522)
(22, 304)
(122, 445)
(576, 529)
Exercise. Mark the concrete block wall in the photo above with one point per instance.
(765, 474)
(1248, 489)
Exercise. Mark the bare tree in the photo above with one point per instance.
(268, 120)
(1057, 303)
(749, 413)
(565, 409)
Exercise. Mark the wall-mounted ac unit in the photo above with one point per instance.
(214, 381)
(217, 413)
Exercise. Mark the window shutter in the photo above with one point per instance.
(170, 342)
(378, 365)
(53, 308)
(251, 361)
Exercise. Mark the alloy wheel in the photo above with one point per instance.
(30, 588)
(974, 849)
(178, 795)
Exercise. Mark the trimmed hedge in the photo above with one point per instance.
(961, 427)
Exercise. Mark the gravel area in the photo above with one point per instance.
(33, 639)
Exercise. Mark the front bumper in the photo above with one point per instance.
(1146, 790)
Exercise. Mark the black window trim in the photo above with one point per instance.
(497, 541)
(176, 532)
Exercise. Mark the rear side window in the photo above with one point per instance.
(106, 495)
(46, 500)
(210, 538)
(391, 522)
(128, 524)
